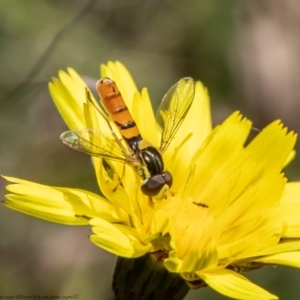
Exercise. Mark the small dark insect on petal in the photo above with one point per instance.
(201, 204)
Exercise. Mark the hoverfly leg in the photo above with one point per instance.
(118, 141)
(115, 188)
(118, 184)
(120, 179)
(167, 193)
(150, 202)
(172, 194)
(163, 193)
(113, 176)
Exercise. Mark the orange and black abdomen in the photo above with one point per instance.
(116, 107)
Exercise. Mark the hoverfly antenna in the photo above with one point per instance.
(255, 129)
(252, 135)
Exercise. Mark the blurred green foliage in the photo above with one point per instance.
(220, 43)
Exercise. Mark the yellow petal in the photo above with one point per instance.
(235, 285)
(173, 263)
(109, 177)
(111, 188)
(291, 259)
(248, 241)
(289, 217)
(198, 119)
(276, 138)
(191, 134)
(196, 260)
(144, 117)
(221, 155)
(291, 193)
(285, 246)
(68, 94)
(118, 72)
(160, 222)
(290, 158)
(60, 205)
(118, 239)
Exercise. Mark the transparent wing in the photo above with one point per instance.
(173, 109)
(93, 142)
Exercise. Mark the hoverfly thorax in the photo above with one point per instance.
(150, 157)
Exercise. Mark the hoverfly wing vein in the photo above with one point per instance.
(173, 109)
(93, 142)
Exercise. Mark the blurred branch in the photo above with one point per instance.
(40, 63)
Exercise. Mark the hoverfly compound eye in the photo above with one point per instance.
(168, 178)
(152, 186)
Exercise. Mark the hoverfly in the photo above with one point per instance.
(140, 154)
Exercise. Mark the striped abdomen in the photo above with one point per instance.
(116, 107)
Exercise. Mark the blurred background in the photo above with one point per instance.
(245, 52)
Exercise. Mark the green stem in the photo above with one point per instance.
(145, 278)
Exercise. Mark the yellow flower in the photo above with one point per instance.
(230, 208)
